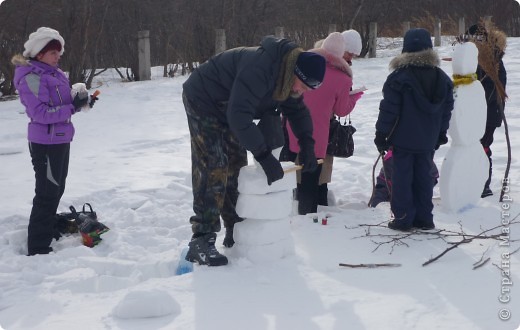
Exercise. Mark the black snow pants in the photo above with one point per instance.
(50, 163)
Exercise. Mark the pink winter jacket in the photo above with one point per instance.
(332, 97)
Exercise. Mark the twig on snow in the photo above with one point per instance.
(369, 265)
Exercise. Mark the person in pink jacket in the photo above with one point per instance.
(332, 98)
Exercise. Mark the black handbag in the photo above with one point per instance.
(341, 142)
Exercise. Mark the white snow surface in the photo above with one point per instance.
(131, 160)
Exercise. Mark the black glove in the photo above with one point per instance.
(80, 100)
(381, 142)
(443, 139)
(93, 100)
(271, 166)
(307, 157)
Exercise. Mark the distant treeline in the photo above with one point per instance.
(103, 33)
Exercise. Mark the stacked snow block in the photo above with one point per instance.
(265, 233)
(465, 168)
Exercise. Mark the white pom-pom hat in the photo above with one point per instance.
(39, 39)
(352, 41)
(334, 44)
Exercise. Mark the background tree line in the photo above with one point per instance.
(102, 34)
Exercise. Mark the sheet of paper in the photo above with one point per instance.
(357, 90)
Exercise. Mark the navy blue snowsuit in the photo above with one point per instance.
(414, 115)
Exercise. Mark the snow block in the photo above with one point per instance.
(264, 253)
(262, 232)
(252, 180)
(463, 174)
(146, 304)
(276, 205)
(468, 118)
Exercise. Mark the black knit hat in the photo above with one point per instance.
(310, 69)
(416, 40)
(477, 32)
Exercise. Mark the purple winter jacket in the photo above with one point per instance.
(45, 92)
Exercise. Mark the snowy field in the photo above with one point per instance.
(130, 159)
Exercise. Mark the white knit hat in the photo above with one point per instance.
(334, 44)
(352, 41)
(39, 39)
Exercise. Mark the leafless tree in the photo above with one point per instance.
(102, 34)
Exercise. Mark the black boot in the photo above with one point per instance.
(487, 191)
(202, 250)
(228, 239)
(323, 194)
(401, 226)
(308, 192)
(35, 251)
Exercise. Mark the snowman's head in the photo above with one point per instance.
(465, 59)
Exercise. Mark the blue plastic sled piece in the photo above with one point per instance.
(184, 266)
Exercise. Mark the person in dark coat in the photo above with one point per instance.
(222, 97)
(492, 74)
(413, 119)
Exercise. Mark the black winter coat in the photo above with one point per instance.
(237, 86)
(494, 116)
(417, 102)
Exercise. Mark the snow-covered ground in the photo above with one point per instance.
(131, 160)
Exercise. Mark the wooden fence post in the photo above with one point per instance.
(220, 40)
(279, 32)
(437, 32)
(406, 27)
(372, 39)
(462, 26)
(143, 54)
(487, 22)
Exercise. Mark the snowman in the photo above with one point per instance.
(465, 167)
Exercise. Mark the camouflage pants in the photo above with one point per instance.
(216, 158)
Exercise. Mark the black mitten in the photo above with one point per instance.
(307, 157)
(271, 166)
(80, 100)
(93, 100)
(381, 142)
(443, 139)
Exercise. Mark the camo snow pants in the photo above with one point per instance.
(216, 158)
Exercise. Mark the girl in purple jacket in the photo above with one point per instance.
(46, 94)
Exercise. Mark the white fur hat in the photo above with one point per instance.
(39, 39)
(352, 41)
(334, 44)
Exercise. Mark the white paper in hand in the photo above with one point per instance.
(358, 90)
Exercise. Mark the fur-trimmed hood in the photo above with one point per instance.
(490, 53)
(427, 57)
(499, 39)
(286, 76)
(18, 59)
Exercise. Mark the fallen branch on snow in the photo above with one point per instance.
(398, 238)
(369, 265)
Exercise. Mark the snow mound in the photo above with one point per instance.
(146, 304)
